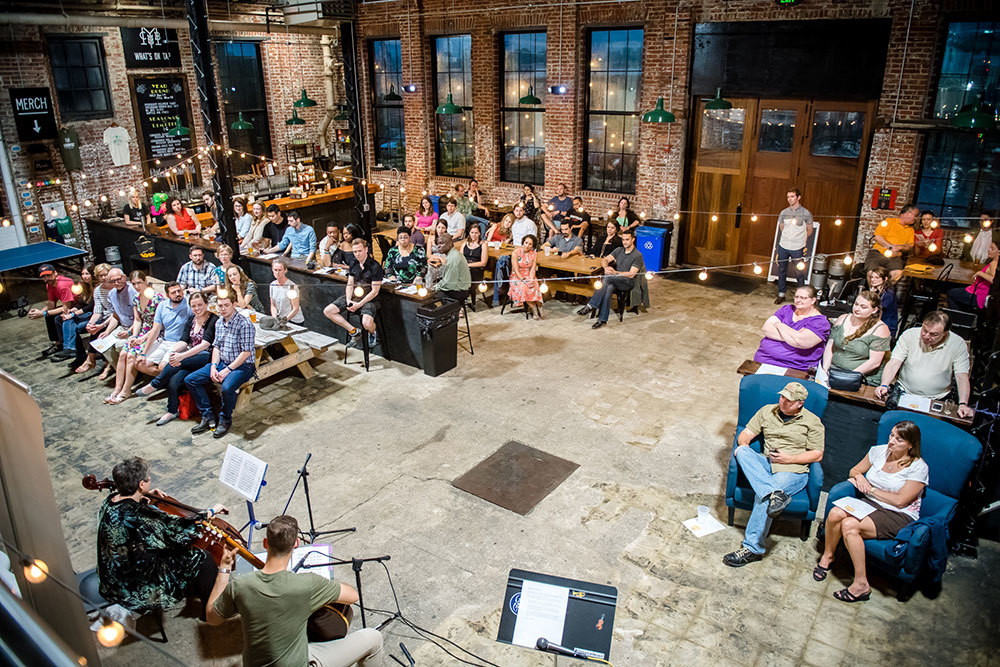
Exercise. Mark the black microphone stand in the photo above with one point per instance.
(304, 478)
(355, 564)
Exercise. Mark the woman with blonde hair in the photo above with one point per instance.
(499, 232)
(256, 231)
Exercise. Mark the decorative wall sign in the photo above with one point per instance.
(159, 102)
(150, 47)
(34, 115)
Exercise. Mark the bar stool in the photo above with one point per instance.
(379, 331)
(89, 586)
(467, 334)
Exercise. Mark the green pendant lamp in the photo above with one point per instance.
(341, 112)
(304, 101)
(449, 108)
(529, 98)
(718, 102)
(392, 95)
(295, 120)
(659, 114)
(975, 117)
(178, 130)
(241, 124)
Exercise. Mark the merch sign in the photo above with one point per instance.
(34, 115)
(151, 47)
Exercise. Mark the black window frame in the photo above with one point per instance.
(506, 173)
(628, 186)
(259, 116)
(971, 210)
(68, 112)
(940, 73)
(438, 98)
(397, 157)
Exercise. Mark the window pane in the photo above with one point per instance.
(968, 75)
(959, 178)
(777, 130)
(98, 101)
(91, 55)
(522, 139)
(241, 77)
(80, 77)
(57, 54)
(77, 77)
(722, 129)
(837, 133)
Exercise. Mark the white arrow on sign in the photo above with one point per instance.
(37, 127)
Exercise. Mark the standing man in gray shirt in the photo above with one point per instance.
(627, 262)
(795, 226)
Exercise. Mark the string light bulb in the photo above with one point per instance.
(87, 203)
(482, 287)
(543, 288)
(53, 212)
(967, 238)
(73, 207)
(703, 275)
(35, 570)
(121, 193)
(934, 224)
(293, 293)
(422, 291)
(6, 222)
(848, 260)
(987, 223)
(838, 222)
(30, 218)
(221, 293)
(104, 198)
(649, 275)
(932, 247)
(359, 292)
(888, 252)
(77, 288)
(677, 216)
(149, 292)
(111, 633)
(885, 223)
(610, 212)
(58, 181)
(598, 284)
(801, 266)
(753, 218)
(757, 268)
(715, 218)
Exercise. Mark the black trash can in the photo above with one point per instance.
(667, 238)
(438, 322)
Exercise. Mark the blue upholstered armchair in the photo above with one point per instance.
(950, 454)
(757, 391)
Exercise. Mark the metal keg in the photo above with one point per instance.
(113, 257)
(837, 268)
(818, 279)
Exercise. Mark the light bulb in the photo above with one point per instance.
(87, 202)
(423, 193)
(847, 260)
(422, 291)
(552, 207)
(987, 223)
(104, 198)
(543, 288)
(482, 287)
(801, 265)
(154, 162)
(402, 188)
(145, 184)
(610, 212)
(677, 216)
(35, 570)
(757, 268)
(934, 224)
(649, 275)
(28, 186)
(121, 193)
(967, 238)
(381, 187)
(77, 288)
(155, 179)
(715, 218)
(149, 292)
(885, 223)
(30, 218)
(111, 633)
(6, 222)
(1, 288)
(703, 275)
(358, 291)
(932, 247)
(888, 252)
(753, 218)
(221, 293)
(598, 284)
(58, 181)
(496, 202)
(838, 222)
(241, 155)
(53, 212)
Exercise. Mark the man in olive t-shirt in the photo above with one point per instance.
(620, 269)
(274, 605)
(793, 439)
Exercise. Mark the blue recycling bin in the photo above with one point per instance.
(434, 202)
(654, 244)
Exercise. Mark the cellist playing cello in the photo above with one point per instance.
(145, 557)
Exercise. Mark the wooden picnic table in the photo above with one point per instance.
(961, 272)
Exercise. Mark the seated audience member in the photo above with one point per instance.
(523, 283)
(612, 240)
(299, 240)
(209, 203)
(925, 359)
(225, 256)
(158, 209)
(455, 278)
(893, 240)
(59, 299)
(232, 364)
(523, 225)
(859, 340)
(416, 236)
(189, 354)
(75, 316)
(284, 295)
(144, 305)
(99, 319)
(242, 218)
(532, 205)
(198, 275)
(275, 603)
(892, 477)
(793, 438)
(328, 244)
(426, 216)
(467, 207)
(974, 296)
(479, 200)
(624, 216)
(455, 220)
(620, 270)
(795, 335)
(558, 208)
(168, 329)
(119, 325)
(405, 260)
(477, 256)
(578, 218)
(928, 235)
(565, 243)
(180, 219)
(145, 557)
(501, 232)
(343, 257)
(367, 274)
(878, 282)
(252, 240)
(242, 290)
(275, 228)
(135, 214)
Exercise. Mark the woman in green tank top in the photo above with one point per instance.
(859, 340)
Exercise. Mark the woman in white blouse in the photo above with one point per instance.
(256, 231)
(892, 478)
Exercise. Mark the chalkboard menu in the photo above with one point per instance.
(159, 102)
(151, 47)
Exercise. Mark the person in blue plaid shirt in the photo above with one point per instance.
(232, 365)
(198, 275)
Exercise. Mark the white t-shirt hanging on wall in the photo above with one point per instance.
(116, 138)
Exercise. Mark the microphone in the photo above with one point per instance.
(544, 644)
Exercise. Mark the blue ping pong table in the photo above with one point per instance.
(46, 252)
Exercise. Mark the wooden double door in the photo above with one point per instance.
(746, 158)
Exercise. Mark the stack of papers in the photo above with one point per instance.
(770, 369)
(703, 528)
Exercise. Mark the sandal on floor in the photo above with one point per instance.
(110, 399)
(117, 399)
(845, 595)
(819, 572)
(84, 367)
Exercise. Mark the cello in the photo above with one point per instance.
(215, 535)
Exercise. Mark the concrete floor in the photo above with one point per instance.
(646, 408)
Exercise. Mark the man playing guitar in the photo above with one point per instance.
(275, 605)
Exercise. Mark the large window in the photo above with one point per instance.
(522, 136)
(455, 142)
(80, 77)
(967, 71)
(387, 79)
(242, 80)
(612, 145)
(960, 176)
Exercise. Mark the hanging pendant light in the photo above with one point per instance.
(392, 95)
(975, 117)
(295, 120)
(341, 112)
(718, 102)
(304, 101)
(178, 130)
(449, 108)
(527, 99)
(241, 124)
(659, 114)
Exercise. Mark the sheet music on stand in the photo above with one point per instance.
(243, 473)
(312, 553)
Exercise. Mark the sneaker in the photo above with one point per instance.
(354, 340)
(372, 340)
(586, 310)
(50, 350)
(779, 300)
(741, 557)
(62, 355)
(778, 502)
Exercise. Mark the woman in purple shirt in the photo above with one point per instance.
(795, 335)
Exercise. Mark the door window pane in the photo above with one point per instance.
(722, 129)
(837, 133)
(777, 130)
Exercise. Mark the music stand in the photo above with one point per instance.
(312, 533)
(356, 564)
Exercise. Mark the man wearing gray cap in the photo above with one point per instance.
(793, 438)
